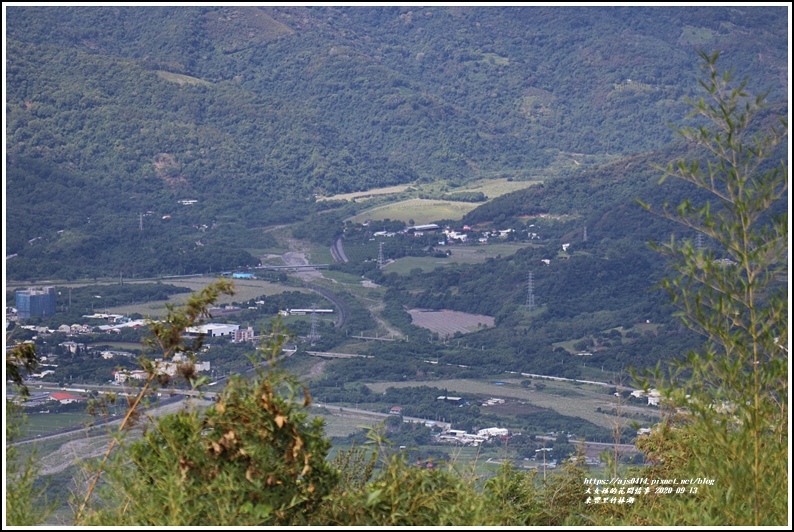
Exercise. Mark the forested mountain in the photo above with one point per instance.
(117, 113)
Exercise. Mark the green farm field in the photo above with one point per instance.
(340, 426)
(46, 423)
(421, 211)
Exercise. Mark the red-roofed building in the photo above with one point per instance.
(66, 398)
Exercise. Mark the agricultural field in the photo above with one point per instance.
(478, 253)
(421, 211)
(405, 265)
(341, 425)
(46, 423)
(449, 322)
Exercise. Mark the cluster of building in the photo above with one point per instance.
(453, 235)
(164, 367)
(461, 437)
(77, 329)
(40, 302)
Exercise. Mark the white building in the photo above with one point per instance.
(493, 432)
(653, 396)
(214, 329)
(241, 335)
(73, 347)
(454, 235)
(122, 376)
(170, 368)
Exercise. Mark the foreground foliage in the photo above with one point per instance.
(732, 397)
(25, 504)
(251, 459)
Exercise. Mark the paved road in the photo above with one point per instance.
(338, 251)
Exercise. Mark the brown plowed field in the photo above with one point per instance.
(448, 322)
